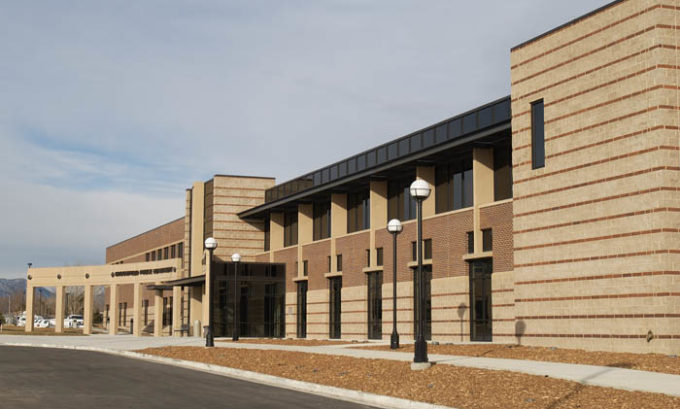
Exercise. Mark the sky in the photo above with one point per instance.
(110, 110)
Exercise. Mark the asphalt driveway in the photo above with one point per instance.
(57, 378)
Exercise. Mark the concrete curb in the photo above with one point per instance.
(364, 398)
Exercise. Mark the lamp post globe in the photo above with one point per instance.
(420, 190)
(235, 258)
(210, 245)
(394, 227)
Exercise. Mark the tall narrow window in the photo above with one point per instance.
(180, 250)
(305, 268)
(358, 211)
(290, 228)
(400, 204)
(267, 235)
(453, 185)
(379, 256)
(470, 242)
(537, 135)
(487, 240)
(322, 220)
(339, 261)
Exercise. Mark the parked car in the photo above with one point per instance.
(74, 321)
(43, 324)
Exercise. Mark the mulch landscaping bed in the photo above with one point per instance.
(12, 330)
(284, 341)
(463, 388)
(643, 362)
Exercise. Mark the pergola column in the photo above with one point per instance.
(176, 311)
(87, 309)
(113, 309)
(30, 291)
(137, 310)
(58, 309)
(158, 313)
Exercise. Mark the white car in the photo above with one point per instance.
(74, 321)
(43, 324)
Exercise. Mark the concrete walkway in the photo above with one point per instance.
(619, 378)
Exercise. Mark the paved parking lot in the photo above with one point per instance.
(33, 378)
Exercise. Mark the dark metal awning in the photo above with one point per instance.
(194, 281)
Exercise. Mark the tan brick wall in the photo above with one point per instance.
(596, 230)
(225, 197)
(135, 248)
(353, 249)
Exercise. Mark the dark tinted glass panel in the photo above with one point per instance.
(454, 128)
(334, 172)
(485, 117)
(428, 138)
(502, 173)
(325, 175)
(470, 242)
(469, 123)
(427, 249)
(537, 135)
(467, 188)
(339, 262)
(382, 155)
(392, 151)
(317, 178)
(440, 134)
(379, 256)
(342, 169)
(487, 240)
(370, 159)
(501, 111)
(351, 165)
(404, 148)
(416, 142)
(361, 162)
(457, 190)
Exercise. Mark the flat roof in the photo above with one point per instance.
(471, 125)
(568, 23)
(148, 231)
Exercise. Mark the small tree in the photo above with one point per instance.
(2, 318)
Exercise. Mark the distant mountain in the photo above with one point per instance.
(11, 286)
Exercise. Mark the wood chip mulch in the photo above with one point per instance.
(463, 388)
(290, 341)
(645, 362)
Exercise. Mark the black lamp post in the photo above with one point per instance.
(394, 227)
(420, 190)
(210, 245)
(236, 258)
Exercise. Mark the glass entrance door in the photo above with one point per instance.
(427, 283)
(334, 308)
(375, 305)
(480, 300)
(302, 309)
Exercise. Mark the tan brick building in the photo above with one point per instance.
(554, 216)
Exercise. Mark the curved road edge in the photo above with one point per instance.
(349, 395)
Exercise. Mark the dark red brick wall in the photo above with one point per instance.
(499, 219)
(449, 244)
(289, 257)
(316, 255)
(353, 249)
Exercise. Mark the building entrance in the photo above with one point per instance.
(260, 288)
(427, 284)
(480, 300)
(375, 305)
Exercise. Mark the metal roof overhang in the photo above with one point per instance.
(259, 211)
(182, 282)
